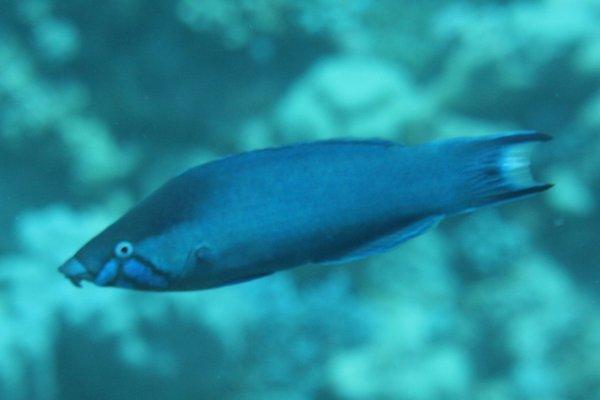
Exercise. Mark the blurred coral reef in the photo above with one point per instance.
(100, 104)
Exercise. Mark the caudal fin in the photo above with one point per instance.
(496, 168)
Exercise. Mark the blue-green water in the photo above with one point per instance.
(101, 102)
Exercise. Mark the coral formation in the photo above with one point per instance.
(322, 104)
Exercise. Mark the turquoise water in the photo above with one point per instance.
(100, 103)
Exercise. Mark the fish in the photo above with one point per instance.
(249, 215)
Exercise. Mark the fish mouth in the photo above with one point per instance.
(74, 271)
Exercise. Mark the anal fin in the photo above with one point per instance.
(385, 243)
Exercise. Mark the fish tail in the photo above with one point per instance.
(495, 169)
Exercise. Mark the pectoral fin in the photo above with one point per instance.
(201, 256)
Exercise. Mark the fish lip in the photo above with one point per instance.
(75, 272)
(76, 281)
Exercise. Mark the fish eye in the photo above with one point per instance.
(123, 249)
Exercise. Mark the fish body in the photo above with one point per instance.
(256, 213)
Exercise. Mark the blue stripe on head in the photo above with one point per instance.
(107, 274)
(141, 274)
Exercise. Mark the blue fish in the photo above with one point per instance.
(253, 214)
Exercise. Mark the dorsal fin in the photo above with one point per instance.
(348, 141)
(385, 243)
(302, 145)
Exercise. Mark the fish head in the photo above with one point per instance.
(117, 261)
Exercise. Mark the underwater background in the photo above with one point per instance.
(101, 102)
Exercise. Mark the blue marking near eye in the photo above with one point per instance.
(107, 274)
(138, 272)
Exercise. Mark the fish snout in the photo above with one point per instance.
(75, 271)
